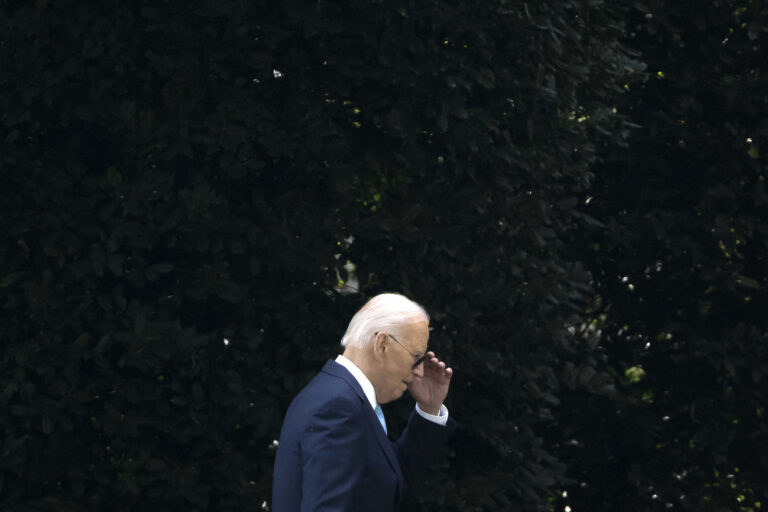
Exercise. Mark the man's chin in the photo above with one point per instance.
(398, 395)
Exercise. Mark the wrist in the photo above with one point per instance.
(434, 410)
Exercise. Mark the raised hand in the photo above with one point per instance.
(430, 389)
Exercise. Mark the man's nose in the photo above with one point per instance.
(418, 370)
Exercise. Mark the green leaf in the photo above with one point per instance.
(153, 272)
(9, 279)
(747, 282)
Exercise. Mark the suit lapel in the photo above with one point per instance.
(335, 369)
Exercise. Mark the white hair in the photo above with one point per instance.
(387, 312)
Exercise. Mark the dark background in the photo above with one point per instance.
(197, 196)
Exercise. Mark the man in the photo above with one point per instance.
(334, 454)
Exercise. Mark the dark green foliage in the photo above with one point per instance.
(138, 235)
(682, 272)
(183, 184)
(191, 190)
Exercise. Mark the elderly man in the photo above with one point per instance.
(334, 454)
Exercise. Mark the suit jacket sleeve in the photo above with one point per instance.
(331, 446)
(419, 445)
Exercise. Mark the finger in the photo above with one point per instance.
(436, 360)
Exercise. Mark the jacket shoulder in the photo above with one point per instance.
(324, 391)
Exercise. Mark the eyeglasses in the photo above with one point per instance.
(418, 358)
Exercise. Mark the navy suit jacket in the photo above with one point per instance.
(333, 454)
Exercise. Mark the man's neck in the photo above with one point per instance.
(358, 356)
(362, 359)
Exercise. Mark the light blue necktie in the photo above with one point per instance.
(380, 415)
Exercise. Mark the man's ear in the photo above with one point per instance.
(379, 345)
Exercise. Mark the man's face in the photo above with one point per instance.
(398, 361)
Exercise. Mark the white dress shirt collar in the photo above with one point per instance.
(360, 377)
